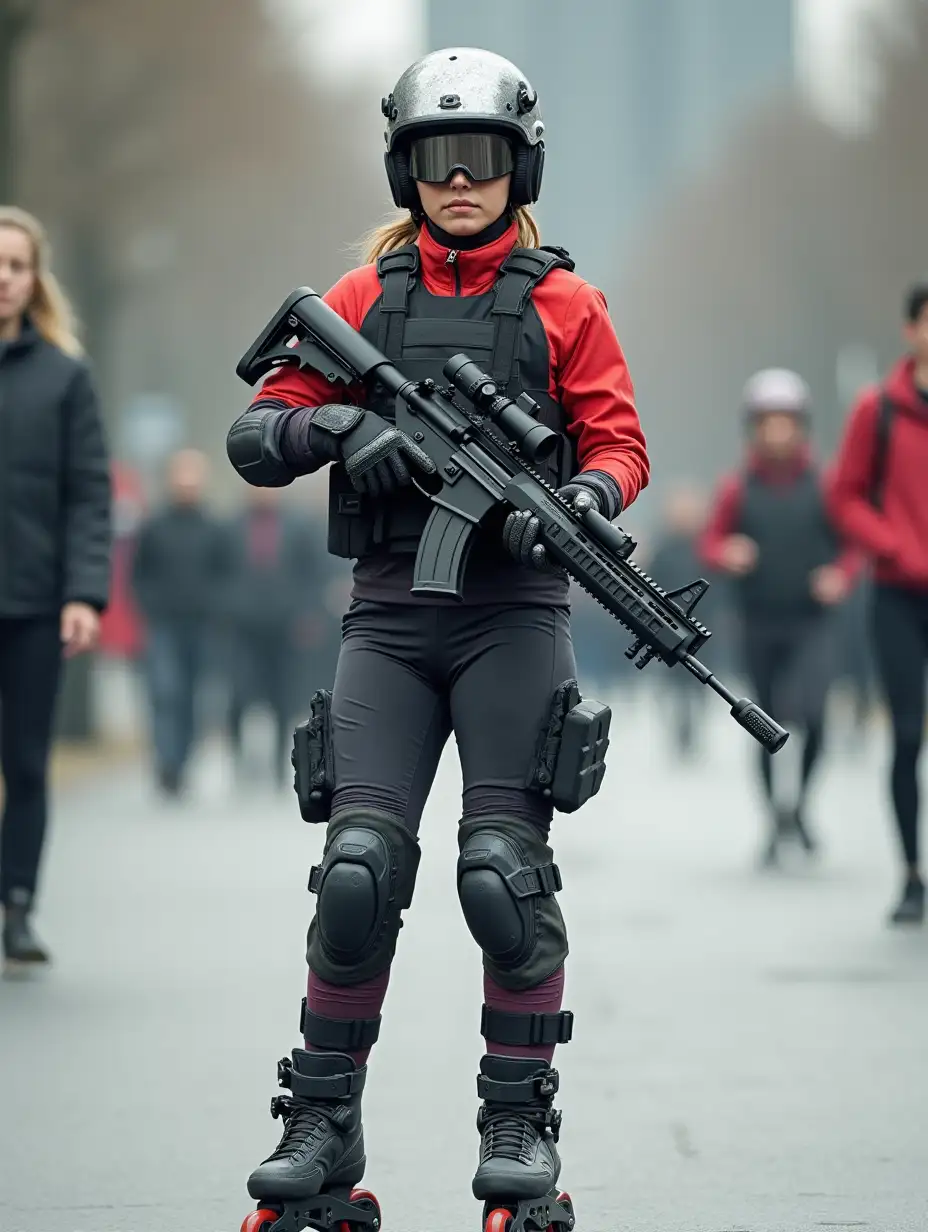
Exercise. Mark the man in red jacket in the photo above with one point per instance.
(769, 531)
(879, 497)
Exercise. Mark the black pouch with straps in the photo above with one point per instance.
(313, 760)
(569, 763)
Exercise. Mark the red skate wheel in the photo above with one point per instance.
(562, 1198)
(363, 1195)
(499, 1220)
(259, 1221)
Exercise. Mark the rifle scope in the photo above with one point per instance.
(533, 439)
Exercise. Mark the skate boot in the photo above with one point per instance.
(22, 951)
(519, 1164)
(308, 1181)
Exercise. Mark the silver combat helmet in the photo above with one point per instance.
(471, 89)
(776, 389)
(463, 86)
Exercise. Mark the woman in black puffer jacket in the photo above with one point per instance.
(54, 547)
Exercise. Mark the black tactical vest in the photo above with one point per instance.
(790, 526)
(500, 330)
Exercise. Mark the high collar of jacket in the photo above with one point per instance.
(477, 268)
(786, 471)
(26, 339)
(900, 385)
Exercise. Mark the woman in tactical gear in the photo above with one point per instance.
(461, 271)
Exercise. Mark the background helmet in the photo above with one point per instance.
(776, 389)
(464, 88)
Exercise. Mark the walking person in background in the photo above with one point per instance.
(54, 548)
(179, 574)
(879, 498)
(275, 584)
(770, 531)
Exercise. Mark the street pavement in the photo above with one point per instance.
(750, 1050)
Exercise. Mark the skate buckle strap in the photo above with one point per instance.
(526, 882)
(502, 1027)
(541, 1086)
(332, 1086)
(338, 1034)
(315, 879)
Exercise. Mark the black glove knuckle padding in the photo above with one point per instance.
(511, 534)
(418, 456)
(399, 469)
(366, 457)
(379, 467)
(521, 530)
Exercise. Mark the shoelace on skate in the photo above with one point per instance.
(510, 1137)
(304, 1126)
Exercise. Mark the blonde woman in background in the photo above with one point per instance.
(54, 548)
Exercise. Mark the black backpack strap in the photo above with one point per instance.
(884, 423)
(520, 273)
(397, 271)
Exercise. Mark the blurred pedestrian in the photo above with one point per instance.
(179, 574)
(274, 607)
(54, 547)
(675, 562)
(879, 497)
(769, 529)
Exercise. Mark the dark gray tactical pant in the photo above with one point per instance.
(408, 676)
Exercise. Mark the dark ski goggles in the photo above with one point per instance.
(481, 156)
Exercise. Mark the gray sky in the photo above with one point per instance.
(335, 38)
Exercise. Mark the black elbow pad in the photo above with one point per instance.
(253, 447)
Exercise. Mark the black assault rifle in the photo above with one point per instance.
(484, 454)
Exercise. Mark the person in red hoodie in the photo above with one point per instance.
(770, 532)
(461, 270)
(878, 495)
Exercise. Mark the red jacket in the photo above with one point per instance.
(896, 536)
(588, 373)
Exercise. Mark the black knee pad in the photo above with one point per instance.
(366, 878)
(506, 883)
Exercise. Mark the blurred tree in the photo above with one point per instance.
(185, 173)
(14, 20)
(796, 244)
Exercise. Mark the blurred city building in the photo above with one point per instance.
(635, 93)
